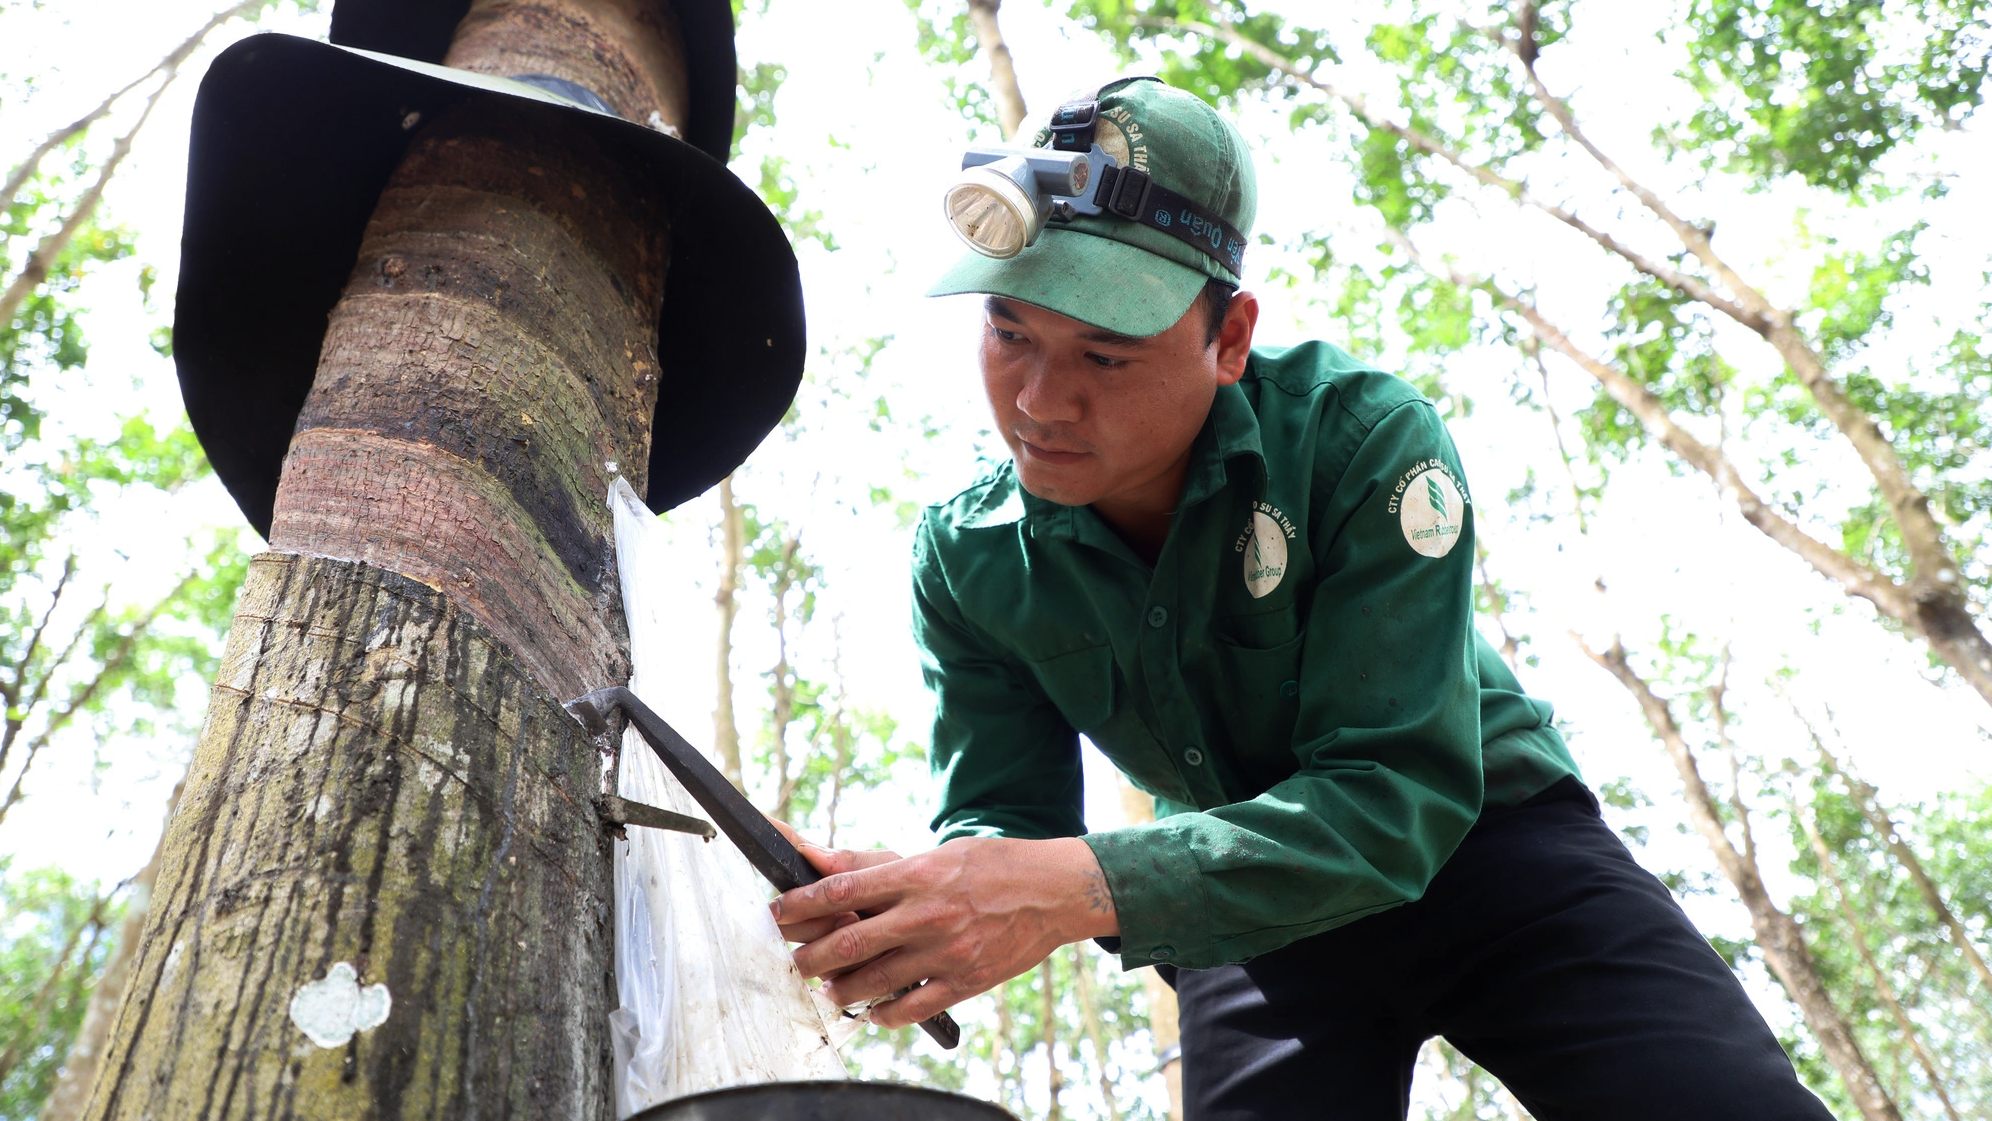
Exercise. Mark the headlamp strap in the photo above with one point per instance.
(1072, 125)
(1129, 193)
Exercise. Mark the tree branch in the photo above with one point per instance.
(1778, 934)
(1655, 417)
(1868, 799)
(1718, 702)
(1933, 593)
(1692, 287)
(1877, 976)
(171, 63)
(113, 664)
(45, 995)
(41, 259)
(18, 709)
(10, 692)
(1935, 575)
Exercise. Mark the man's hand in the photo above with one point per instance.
(955, 921)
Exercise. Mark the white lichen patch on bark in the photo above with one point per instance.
(333, 1010)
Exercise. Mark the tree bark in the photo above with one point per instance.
(379, 784)
(389, 814)
(732, 549)
(1777, 934)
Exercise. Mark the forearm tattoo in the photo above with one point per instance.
(1097, 896)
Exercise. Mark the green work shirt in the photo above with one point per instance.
(1296, 679)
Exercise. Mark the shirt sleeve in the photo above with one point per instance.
(1004, 760)
(1386, 737)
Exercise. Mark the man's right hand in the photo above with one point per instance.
(829, 862)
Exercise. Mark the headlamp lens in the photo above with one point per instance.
(992, 212)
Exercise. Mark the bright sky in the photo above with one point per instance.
(855, 80)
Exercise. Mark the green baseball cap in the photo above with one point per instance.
(1133, 276)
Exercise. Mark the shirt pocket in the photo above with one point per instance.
(1262, 687)
(1084, 686)
(1080, 684)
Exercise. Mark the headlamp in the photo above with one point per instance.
(1005, 195)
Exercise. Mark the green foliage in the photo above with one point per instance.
(1850, 291)
(55, 937)
(1929, 977)
(1202, 64)
(1392, 183)
(945, 37)
(1825, 90)
(45, 333)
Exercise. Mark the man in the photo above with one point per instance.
(1247, 577)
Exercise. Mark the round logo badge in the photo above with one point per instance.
(1265, 555)
(1432, 512)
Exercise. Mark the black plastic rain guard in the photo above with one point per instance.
(825, 1101)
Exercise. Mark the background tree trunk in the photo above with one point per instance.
(386, 781)
(86, 1052)
(732, 550)
(1883, 990)
(1054, 1079)
(1002, 70)
(1162, 1019)
(1778, 935)
(1089, 1017)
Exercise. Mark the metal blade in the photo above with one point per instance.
(766, 849)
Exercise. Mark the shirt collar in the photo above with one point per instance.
(1001, 502)
(1230, 435)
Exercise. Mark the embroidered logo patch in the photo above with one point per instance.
(1430, 507)
(1264, 547)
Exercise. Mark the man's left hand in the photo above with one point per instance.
(955, 921)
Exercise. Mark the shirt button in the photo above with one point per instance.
(1289, 688)
(1162, 953)
(1158, 615)
(1193, 757)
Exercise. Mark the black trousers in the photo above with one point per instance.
(1541, 951)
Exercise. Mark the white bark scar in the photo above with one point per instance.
(333, 1010)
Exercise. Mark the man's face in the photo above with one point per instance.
(1095, 418)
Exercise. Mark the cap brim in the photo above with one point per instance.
(292, 143)
(1109, 284)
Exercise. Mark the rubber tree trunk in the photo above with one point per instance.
(386, 893)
